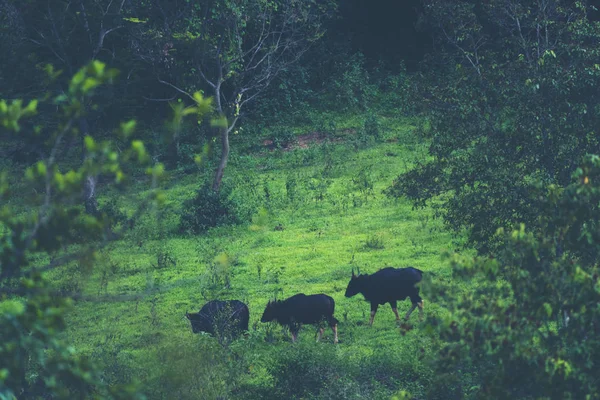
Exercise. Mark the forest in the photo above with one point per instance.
(175, 176)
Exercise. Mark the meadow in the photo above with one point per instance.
(314, 211)
(462, 141)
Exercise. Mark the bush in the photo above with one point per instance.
(113, 213)
(368, 133)
(194, 368)
(372, 126)
(309, 371)
(207, 209)
(283, 138)
(352, 90)
(374, 242)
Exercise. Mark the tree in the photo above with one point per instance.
(67, 34)
(516, 105)
(34, 361)
(530, 328)
(234, 50)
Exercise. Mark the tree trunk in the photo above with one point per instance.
(89, 188)
(89, 194)
(224, 140)
(224, 157)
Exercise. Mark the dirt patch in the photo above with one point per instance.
(304, 141)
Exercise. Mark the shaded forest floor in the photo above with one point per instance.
(314, 211)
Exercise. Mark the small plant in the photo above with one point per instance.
(217, 276)
(367, 134)
(283, 138)
(319, 185)
(109, 270)
(164, 259)
(375, 242)
(153, 313)
(275, 275)
(291, 188)
(113, 213)
(72, 282)
(363, 182)
(326, 126)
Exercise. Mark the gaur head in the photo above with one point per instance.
(270, 312)
(355, 285)
(199, 324)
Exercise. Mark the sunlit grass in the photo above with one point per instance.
(316, 245)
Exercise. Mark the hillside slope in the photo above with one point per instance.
(318, 212)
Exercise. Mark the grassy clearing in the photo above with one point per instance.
(323, 214)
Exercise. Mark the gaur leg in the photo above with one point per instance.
(333, 324)
(394, 305)
(416, 301)
(335, 336)
(407, 316)
(320, 333)
(374, 307)
(294, 329)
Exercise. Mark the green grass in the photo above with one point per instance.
(145, 337)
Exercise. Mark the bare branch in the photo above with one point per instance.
(205, 78)
(151, 99)
(176, 88)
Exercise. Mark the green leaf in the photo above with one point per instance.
(89, 143)
(127, 128)
(220, 122)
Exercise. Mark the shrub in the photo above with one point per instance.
(372, 126)
(368, 133)
(364, 183)
(305, 371)
(113, 213)
(194, 368)
(352, 90)
(375, 242)
(207, 209)
(283, 138)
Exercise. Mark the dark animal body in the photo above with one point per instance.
(221, 318)
(302, 309)
(388, 285)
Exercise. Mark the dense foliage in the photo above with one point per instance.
(516, 104)
(337, 157)
(530, 330)
(35, 361)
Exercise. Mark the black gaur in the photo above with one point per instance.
(302, 309)
(221, 318)
(388, 285)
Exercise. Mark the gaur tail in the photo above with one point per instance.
(333, 321)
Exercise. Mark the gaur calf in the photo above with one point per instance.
(302, 309)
